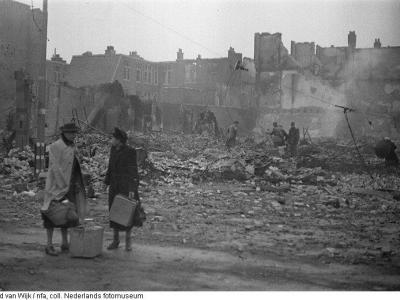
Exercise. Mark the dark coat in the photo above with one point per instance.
(293, 136)
(122, 175)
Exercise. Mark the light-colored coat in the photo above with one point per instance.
(61, 159)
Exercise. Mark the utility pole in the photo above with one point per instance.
(23, 108)
(280, 70)
(41, 120)
(41, 117)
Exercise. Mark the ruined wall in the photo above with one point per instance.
(378, 107)
(305, 99)
(172, 116)
(304, 53)
(19, 49)
(103, 106)
(302, 90)
(61, 101)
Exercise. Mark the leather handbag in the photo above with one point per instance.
(139, 215)
(61, 213)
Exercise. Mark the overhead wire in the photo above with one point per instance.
(171, 29)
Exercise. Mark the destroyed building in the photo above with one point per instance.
(306, 85)
(156, 92)
(302, 85)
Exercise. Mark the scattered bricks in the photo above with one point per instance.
(20, 187)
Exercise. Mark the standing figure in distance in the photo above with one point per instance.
(386, 149)
(278, 135)
(231, 135)
(293, 139)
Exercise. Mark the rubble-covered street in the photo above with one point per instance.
(321, 210)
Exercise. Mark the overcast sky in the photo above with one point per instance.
(156, 29)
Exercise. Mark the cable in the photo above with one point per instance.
(170, 29)
(311, 96)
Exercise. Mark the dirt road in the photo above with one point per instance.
(24, 266)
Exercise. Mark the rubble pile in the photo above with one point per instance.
(18, 164)
(176, 159)
(251, 199)
(94, 153)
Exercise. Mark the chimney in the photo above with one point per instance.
(352, 39)
(293, 48)
(377, 43)
(179, 54)
(110, 50)
(231, 52)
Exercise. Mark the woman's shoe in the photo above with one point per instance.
(51, 251)
(113, 245)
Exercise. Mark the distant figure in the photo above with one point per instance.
(293, 139)
(231, 135)
(386, 149)
(279, 135)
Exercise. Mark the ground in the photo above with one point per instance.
(248, 219)
(236, 240)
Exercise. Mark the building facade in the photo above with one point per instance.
(136, 75)
(20, 49)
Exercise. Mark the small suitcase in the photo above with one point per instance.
(122, 210)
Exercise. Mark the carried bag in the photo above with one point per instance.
(60, 213)
(139, 216)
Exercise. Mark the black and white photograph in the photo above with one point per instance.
(193, 146)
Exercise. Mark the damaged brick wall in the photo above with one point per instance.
(103, 107)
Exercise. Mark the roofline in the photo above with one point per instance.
(144, 60)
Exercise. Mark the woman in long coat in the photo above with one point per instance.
(63, 182)
(123, 178)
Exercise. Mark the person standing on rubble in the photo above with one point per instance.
(122, 178)
(293, 139)
(231, 135)
(279, 135)
(63, 183)
(386, 149)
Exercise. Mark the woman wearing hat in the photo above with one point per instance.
(123, 178)
(63, 182)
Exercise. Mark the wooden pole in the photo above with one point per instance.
(42, 78)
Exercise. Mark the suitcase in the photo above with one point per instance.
(122, 210)
(86, 241)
